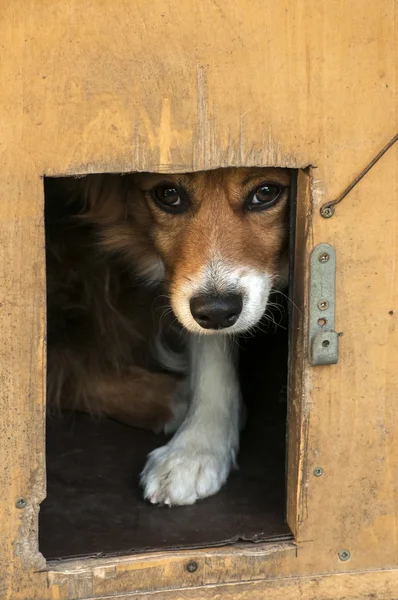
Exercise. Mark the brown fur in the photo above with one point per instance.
(217, 220)
(101, 316)
(99, 322)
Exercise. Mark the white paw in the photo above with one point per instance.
(178, 475)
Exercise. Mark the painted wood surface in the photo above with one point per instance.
(176, 86)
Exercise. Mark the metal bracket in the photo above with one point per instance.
(323, 342)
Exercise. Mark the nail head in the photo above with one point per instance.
(323, 304)
(324, 257)
(192, 566)
(327, 212)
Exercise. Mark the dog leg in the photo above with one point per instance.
(181, 400)
(197, 461)
(133, 396)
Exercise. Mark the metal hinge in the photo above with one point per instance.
(323, 345)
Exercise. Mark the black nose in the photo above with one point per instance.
(216, 312)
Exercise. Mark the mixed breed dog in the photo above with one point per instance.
(151, 280)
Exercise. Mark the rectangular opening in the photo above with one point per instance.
(95, 505)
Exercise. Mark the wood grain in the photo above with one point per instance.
(96, 87)
(382, 585)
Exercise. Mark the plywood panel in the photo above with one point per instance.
(382, 585)
(352, 410)
(93, 87)
(89, 87)
(352, 586)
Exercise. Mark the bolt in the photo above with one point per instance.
(324, 257)
(323, 304)
(327, 212)
(21, 503)
(192, 566)
(344, 555)
(326, 343)
(318, 471)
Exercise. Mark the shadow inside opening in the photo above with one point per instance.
(95, 507)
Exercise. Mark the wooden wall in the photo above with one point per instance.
(177, 86)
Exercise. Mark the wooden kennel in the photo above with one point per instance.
(180, 86)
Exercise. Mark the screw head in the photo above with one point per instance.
(318, 471)
(192, 566)
(324, 257)
(344, 555)
(21, 503)
(327, 212)
(323, 304)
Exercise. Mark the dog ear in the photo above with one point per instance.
(104, 202)
(104, 198)
(104, 205)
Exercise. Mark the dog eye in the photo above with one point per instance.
(168, 198)
(263, 197)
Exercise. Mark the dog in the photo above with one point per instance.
(151, 278)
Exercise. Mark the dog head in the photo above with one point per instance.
(217, 239)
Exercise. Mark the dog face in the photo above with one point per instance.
(219, 236)
(216, 238)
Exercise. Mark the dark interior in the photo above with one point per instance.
(94, 506)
